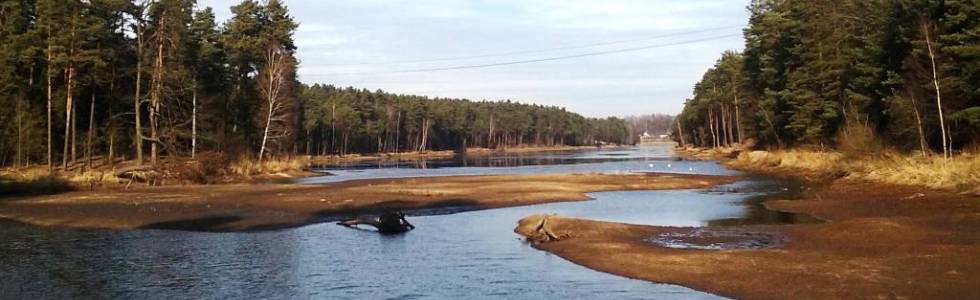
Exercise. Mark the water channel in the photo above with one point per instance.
(466, 255)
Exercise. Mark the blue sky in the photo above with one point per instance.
(370, 43)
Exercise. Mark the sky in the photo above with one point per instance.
(596, 58)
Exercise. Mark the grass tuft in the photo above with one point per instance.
(249, 167)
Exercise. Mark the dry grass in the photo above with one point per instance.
(809, 160)
(94, 177)
(249, 167)
(958, 173)
(31, 181)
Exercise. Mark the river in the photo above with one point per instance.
(465, 255)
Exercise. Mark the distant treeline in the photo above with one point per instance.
(814, 71)
(343, 120)
(83, 81)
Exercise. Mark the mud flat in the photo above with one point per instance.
(243, 207)
(878, 241)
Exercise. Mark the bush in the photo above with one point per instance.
(857, 139)
(208, 168)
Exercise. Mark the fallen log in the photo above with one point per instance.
(387, 223)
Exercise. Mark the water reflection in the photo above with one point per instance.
(656, 158)
(505, 159)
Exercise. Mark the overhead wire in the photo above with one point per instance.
(527, 61)
(570, 47)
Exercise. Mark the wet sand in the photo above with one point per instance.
(241, 207)
(879, 241)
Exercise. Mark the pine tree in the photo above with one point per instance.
(206, 59)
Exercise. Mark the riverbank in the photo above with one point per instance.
(958, 173)
(208, 168)
(879, 241)
(415, 155)
(238, 207)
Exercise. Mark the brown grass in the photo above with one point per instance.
(891, 167)
(249, 167)
(31, 181)
(957, 173)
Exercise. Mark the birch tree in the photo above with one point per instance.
(276, 78)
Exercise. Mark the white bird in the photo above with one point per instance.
(690, 169)
(651, 165)
(668, 165)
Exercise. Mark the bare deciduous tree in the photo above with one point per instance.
(935, 82)
(275, 82)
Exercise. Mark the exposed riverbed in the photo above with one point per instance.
(471, 254)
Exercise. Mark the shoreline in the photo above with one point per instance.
(36, 180)
(416, 155)
(878, 241)
(957, 174)
(240, 207)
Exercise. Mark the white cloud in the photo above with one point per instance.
(377, 31)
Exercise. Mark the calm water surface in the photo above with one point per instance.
(467, 255)
(653, 158)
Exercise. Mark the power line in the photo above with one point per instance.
(534, 60)
(579, 46)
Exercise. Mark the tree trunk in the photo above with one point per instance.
(155, 98)
(680, 131)
(68, 110)
(398, 127)
(110, 155)
(738, 120)
(711, 128)
(74, 133)
(918, 122)
(19, 116)
(138, 136)
(346, 139)
(194, 120)
(724, 126)
(265, 135)
(490, 134)
(50, 132)
(939, 101)
(91, 129)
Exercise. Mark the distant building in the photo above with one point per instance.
(646, 137)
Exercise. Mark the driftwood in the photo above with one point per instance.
(140, 173)
(132, 171)
(546, 235)
(537, 230)
(387, 223)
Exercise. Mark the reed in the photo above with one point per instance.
(960, 173)
(249, 167)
